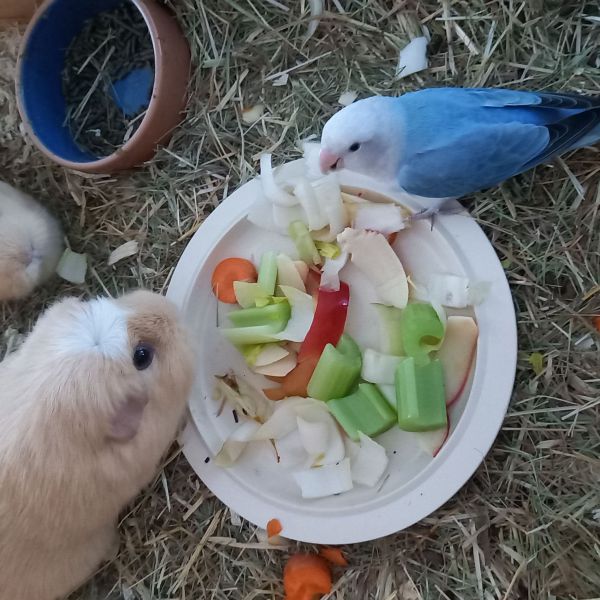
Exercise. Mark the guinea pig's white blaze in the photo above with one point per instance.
(100, 325)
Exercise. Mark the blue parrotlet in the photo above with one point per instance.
(445, 143)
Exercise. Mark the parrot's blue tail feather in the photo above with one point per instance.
(568, 133)
(559, 100)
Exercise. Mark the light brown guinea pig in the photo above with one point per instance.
(88, 406)
(30, 243)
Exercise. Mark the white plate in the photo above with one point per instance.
(259, 489)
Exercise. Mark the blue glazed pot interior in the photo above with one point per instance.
(41, 73)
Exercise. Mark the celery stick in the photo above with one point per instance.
(259, 334)
(421, 396)
(422, 331)
(304, 243)
(335, 374)
(267, 272)
(390, 319)
(366, 410)
(249, 294)
(348, 347)
(250, 317)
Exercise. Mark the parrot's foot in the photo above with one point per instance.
(432, 212)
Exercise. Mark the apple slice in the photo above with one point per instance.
(457, 354)
(432, 441)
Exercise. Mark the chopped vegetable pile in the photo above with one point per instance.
(325, 398)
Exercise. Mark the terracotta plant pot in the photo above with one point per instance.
(39, 83)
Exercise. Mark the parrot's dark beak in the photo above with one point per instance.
(328, 161)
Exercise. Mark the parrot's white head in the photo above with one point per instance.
(363, 137)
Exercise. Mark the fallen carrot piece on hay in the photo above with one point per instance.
(274, 528)
(306, 577)
(333, 555)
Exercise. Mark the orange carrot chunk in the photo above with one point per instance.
(306, 577)
(333, 555)
(226, 273)
(274, 528)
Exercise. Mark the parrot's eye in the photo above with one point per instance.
(354, 147)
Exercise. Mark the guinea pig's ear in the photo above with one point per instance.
(125, 423)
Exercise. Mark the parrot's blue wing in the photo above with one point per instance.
(480, 157)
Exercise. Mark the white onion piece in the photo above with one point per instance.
(279, 368)
(329, 195)
(72, 267)
(413, 58)
(283, 420)
(303, 309)
(384, 218)
(284, 215)
(326, 481)
(379, 368)
(309, 202)
(389, 393)
(327, 450)
(271, 189)
(235, 445)
(449, 290)
(288, 274)
(248, 399)
(330, 276)
(261, 215)
(347, 98)
(369, 461)
(311, 152)
(314, 436)
(291, 450)
(270, 354)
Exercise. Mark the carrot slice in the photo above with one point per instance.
(333, 555)
(274, 528)
(306, 577)
(228, 271)
(295, 382)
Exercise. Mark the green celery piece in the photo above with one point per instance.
(259, 334)
(328, 249)
(365, 410)
(335, 374)
(267, 272)
(390, 320)
(248, 294)
(251, 317)
(304, 243)
(348, 347)
(422, 331)
(421, 395)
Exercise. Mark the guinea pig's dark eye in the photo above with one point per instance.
(354, 147)
(143, 356)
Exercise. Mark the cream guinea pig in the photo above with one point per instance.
(88, 406)
(30, 243)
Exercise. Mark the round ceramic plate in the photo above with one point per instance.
(257, 487)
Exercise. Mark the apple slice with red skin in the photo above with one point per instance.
(457, 355)
(432, 441)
